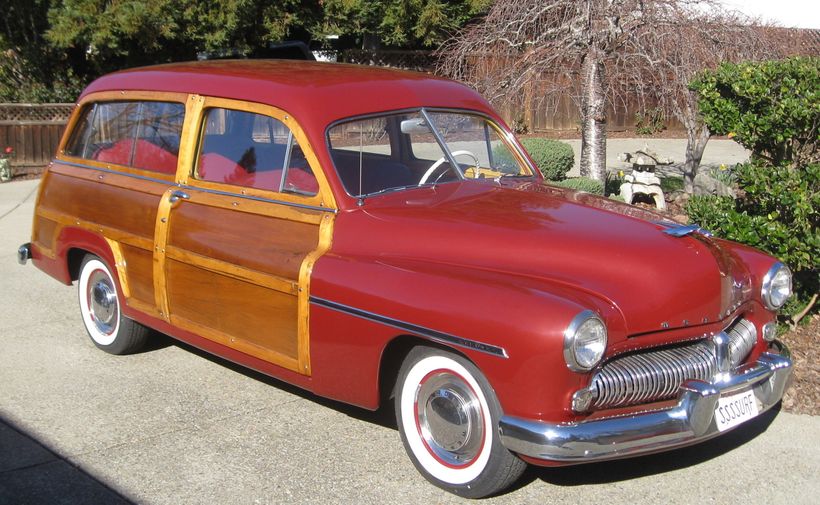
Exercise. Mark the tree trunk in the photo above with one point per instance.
(697, 136)
(593, 117)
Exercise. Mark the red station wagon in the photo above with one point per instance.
(379, 236)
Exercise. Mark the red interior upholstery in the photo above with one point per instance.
(217, 168)
(147, 156)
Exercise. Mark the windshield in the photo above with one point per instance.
(410, 149)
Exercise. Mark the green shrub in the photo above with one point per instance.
(777, 213)
(582, 184)
(552, 157)
(772, 108)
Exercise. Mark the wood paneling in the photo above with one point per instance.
(102, 203)
(255, 319)
(44, 232)
(139, 272)
(262, 243)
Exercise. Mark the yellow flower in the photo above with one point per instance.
(722, 166)
(731, 135)
(620, 173)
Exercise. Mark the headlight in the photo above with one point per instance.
(584, 341)
(777, 286)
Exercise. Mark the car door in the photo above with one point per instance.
(237, 239)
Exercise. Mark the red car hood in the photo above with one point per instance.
(616, 251)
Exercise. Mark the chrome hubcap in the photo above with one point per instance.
(449, 419)
(102, 302)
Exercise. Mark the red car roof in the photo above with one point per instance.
(315, 93)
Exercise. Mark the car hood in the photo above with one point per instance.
(617, 252)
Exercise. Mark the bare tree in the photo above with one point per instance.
(659, 61)
(600, 52)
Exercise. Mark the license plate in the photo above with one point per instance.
(735, 409)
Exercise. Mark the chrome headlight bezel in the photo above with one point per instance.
(773, 282)
(588, 330)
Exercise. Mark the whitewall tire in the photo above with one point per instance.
(448, 417)
(101, 311)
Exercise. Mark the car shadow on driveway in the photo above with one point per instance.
(32, 472)
(384, 416)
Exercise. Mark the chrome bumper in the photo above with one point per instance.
(24, 253)
(690, 421)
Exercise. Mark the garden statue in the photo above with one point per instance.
(643, 180)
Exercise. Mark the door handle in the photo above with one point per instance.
(176, 196)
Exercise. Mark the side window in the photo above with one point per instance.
(143, 135)
(254, 151)
(158, 133)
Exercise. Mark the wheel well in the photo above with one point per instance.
(393, 356)
(74, 259)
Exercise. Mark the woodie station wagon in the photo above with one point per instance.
(377, 236)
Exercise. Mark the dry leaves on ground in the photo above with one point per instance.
(803, 397)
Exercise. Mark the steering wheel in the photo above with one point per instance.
(443, 159)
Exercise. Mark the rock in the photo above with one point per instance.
(705, 184)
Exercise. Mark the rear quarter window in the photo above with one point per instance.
(142, 135)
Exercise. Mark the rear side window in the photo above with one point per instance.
(142, 135)
(254, 151)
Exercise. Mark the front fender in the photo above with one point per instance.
(510, 326)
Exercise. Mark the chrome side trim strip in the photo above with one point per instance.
(412, 328)
(115, 172)
(195, 188)
(259, 199)
(691, 420)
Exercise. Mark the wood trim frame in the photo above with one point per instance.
(121, 96)
(324, 197)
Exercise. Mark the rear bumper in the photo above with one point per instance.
(24, 253)
(690, 421)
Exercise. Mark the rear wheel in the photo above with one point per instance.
(100, 310)
(448, 419)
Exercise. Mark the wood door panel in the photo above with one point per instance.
(248, 313)
(270, 245)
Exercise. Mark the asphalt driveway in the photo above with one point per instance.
(172, 425)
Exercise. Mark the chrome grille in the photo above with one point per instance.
(656, 375)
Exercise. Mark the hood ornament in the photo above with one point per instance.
(681, 230)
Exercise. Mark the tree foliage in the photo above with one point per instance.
(771, 108)
(113, 35)
(31, 70)
(49, 49)
(401, 23)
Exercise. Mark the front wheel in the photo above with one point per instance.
(448, 420)
(100, 310)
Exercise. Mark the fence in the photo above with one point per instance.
(34, 131)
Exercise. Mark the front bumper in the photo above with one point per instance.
(691, 420)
